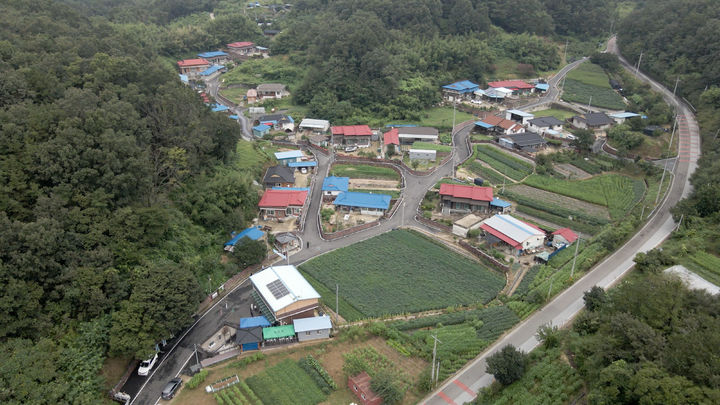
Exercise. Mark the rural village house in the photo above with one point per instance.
(271, 90)
(192, 67)
(519, 235)
(279, 204)
(216, 57)
(459, 91)
(279, 176)
(518, 87)
(241, 48)
(542, 125)
(249, 334)
(366, 203)
(358, 135)
(283, 294)
(594, 121)
(409, 135)
(459, 198)
(333, 186)
(563, 237)
(287, 157)
(526, 142)
(278, 122)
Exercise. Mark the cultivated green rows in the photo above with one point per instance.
(579, 92)
(403, 271)
(510, 166)
(285, 383)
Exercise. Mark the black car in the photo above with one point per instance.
(171, 388)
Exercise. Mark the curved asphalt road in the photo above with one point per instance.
(465, 384)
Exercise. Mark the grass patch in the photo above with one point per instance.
(235, 94)
(327, 298)
(277, 69)
(432, 146)
(590, 73)
(561, 221)
(555, 112)
(364, 172)
(579, 92)
(402, 272)
(617, 192)
(704, 264)
(439, 117)
(251, 156)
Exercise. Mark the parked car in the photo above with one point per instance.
(147, 365)
(171, 388)
(351, 148)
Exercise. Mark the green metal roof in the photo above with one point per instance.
(276, 332)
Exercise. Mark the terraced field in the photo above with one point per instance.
(557, 200)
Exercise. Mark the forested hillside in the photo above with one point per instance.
(100, 144)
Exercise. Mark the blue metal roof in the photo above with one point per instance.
(212, 54)
(625, 114)
(311, 163)
(183, 78)
(484, 124)
(363, 200)
(496, 202)
(292, 188)
(253, 322)
(464, 86)
(401, 125)
(542, 86)
(288, 154)
(254, 233)
(261, 128)
(333, 183)
(310, 324)
(212, 69)
(289, 118)
(233, 117)
(220, 108)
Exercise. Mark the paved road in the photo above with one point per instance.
(560, 311)
(212, 89)
(553, 93)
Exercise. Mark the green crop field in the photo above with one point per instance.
(555, 112)
(402, 271)
(503, 162)
(439, 117)
(432, 146)
(617, 192)
(285, 383)
(579, 92)
(592, 74)
(486, 173)
(361, 171)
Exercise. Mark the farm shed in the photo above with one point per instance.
(461, 90)
(286, 241)
(518, 116)
(310, 165)
(278, 334)
(596, 121)
(458, 198)
(462, 226)
(317, 327)
(360, 386)
(249, 333)
(520, 235)
(314, 126)
(410, 135)
(422, 154)
(499, 205)
(288, 156)
(332, 186)
(279, 176)
(359, 135)
(278, 204)
(367, 203)
(260, 130)
(252, 233)
(620, 117)
(542, 87)
(212, 72)
(563, 237)
(283, 294)
(278, 122)
(516, 86)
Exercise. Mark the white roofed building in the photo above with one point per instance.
(520, 235)
(283, 294)
(317, 327)
(313, 125)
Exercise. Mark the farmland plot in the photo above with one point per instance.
(360, 171)
(504, 163)
(579, 92)
(285, 383)
(617, 192)
(403, 271)
(553, 201)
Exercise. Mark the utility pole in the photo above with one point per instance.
(197, 362)
(642, 213)
(432, 368)
(437, 373)
(565, 54)
(676, 84)
(402, 222)
(452, 131)
(572, 270)
(589, 103)
(637, 68)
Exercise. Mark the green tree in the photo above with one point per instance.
(584, 140)
(386, 386)
(507, 365)
(249, 252)
(652, 261)
(595, 298)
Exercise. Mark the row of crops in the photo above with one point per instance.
(286, 383)
(485, 173)
(547, 380)
(556, 210)
(557, 220)
(360, 171)
(506, 164)
(617, 192)
(239, 394)
(583, 93)
(402, 272)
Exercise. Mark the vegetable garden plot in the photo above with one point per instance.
(548, 201)
(403, 271)
(360, 171)
(285, 383)
(504, 163)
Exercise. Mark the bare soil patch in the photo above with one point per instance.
(573, 172)
(374, 184)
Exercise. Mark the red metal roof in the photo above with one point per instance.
(352, 130)
(511, 84)
(392, 137)
(501, 236)
(472, 192)
(493, 120)
(282, 198)
(566, 233)
(240, 44)
(193, 62)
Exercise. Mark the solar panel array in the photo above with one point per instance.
(278, 289)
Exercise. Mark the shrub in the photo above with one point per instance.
(197, 379)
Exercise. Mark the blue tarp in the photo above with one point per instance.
(212, 54)
(496, 202)
(363, 200)
(183, 78)
(254, 233)
(212, 69)
(542, 86)
(261, 128)
(291, 154)
(220, 108)
(233, 117)
(333, 183)
(465, 86)
(253, 322)
(484, 124)
(311, 163)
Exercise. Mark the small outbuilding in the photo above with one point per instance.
(518, 116)
(563, 237)
(366, 203)
(260, 130)
(462, 226)
(288, 156)
(457, 198)
(317, 327)
(279, 176)
(333, 186)
(314, 126)
(249, 334)
(360, 386)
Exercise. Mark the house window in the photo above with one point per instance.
(307, 333)
(288, 210)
